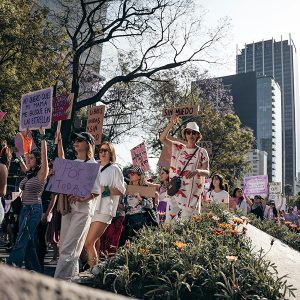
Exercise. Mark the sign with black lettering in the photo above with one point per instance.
(73, 177)
(140, 157)
(36, 110)
(95, 122)
(183, 111)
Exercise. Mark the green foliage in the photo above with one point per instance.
(192, 260)
(31, 57)
(279, 231)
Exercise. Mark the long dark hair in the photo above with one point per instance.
(221, 179)
(33, 172)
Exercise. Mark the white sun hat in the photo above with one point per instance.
(192, 126)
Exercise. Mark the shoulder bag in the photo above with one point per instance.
(175, 182)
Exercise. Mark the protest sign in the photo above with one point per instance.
(36, 110)
(256, 185)
(165, 156)
(95, 122)
(183, 111)
(140, 157)
(73, 177)
(2, 114)
(144, 191)
(62, 107)
(24, 143)
(275, 188)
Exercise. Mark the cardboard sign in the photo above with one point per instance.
(275, 187)
(140, 157)
(73, 177)
(2, 114)
(19, 144)
(144, 191)
(36, 110)
(256, 185)
(95, 122)
(165, 156)
(183, 111)
(62, 107)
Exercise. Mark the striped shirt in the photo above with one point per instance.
(32, 190)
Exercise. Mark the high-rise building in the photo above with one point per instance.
(258, 162)
(278, 60)
(257, 102)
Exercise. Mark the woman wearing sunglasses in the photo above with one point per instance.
(112, 186)
(32, 187)
(75, 224)
(195, 162)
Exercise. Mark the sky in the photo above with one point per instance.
(254, 20)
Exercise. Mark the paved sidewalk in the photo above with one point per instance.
(286, 259)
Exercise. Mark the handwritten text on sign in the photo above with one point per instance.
(256, 185)
(36, 108)
(73, 177)
(140, 157)
(188, 110)
(62, 107)
(95, 122)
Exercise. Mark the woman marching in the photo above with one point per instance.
(112, 186)
(31, 213)
(191, 163)
(75, 224)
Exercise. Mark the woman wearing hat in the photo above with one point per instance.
(75, 224)
(136, 206)
(196, 163)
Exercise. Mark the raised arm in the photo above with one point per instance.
(60, 148)
(164, 135)
(3, 180)
(43, 172)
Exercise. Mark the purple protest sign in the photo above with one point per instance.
(73, 177)
(140, 157)
(256, 185)
(36, 110)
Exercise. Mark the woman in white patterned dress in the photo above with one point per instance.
(188, 198)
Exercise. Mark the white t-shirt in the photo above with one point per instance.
(88, 207)
(219, 198)
(112, 176)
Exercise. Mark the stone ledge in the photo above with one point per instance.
(18, 284)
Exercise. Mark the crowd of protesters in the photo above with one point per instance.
(86, 230)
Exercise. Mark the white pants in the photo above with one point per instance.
(74, 229)
(1, 211)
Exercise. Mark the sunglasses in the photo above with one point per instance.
(133, 173)
(79, 140)
(104, 150)
(193, 132)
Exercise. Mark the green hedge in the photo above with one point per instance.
(205, 258)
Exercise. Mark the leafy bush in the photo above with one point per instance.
(282, 232)
(208, 257)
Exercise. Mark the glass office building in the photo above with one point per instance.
(257, 102)
(278, 60)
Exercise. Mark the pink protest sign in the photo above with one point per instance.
(256, 185)
(24, 143)
(95, 122)
(2, 114)
(140, 157)
(62, 107)
(36, 110)
(73, 177)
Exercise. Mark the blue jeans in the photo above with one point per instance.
(25, 247)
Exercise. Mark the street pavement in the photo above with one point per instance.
(49, 267)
